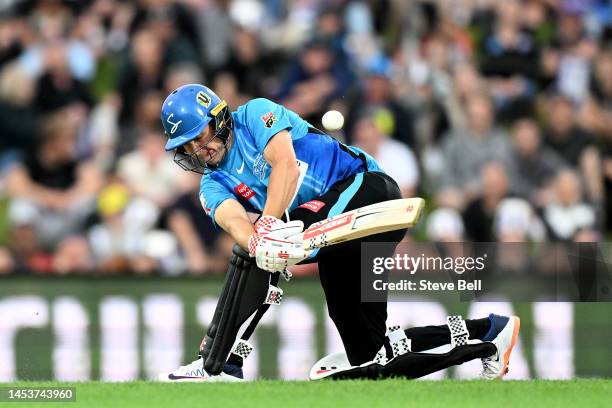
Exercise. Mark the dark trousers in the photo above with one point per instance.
(362, 326)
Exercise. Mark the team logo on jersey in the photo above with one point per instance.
(268, 119)
(244, 191)
(203, 99)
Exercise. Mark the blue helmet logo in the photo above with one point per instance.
(185, 113)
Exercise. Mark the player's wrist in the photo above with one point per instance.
(253, 242)
(264, 224)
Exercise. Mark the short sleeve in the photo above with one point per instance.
(264, 119)
(212, 194)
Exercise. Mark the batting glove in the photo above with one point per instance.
(275, 255)
(277, 245)
(272, 227)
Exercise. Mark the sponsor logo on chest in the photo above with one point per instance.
(244, 191)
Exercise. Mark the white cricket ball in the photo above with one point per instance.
(333, 120)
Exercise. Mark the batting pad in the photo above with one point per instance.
(245, 291)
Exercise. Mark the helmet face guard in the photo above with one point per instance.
(222, 130)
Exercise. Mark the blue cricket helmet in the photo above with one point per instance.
(188, 109)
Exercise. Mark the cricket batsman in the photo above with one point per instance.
(265, 159)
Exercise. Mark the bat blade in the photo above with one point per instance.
(372, 219)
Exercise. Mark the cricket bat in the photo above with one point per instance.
(372, 219)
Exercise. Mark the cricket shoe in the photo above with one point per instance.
(503, 334)
(194, 372)
(329, 365)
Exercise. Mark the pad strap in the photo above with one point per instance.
(274, 296)
(242, 348)
(381, 356)
(458, 331)
(400, 344)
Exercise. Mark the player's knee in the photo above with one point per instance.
(342, 314)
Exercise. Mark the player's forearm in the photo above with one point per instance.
(240, 230)
(281, 188)
(232, 217)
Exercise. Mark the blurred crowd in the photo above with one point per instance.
(498, 112)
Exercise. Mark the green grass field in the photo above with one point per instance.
(388, 393)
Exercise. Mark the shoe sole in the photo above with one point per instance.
(515, 333)
(226, 379)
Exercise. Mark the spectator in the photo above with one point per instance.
(18, 119)
(516, 221)
(509, 51)
(394, 157)
(445, 225)
(467, 150)
(23, 241)
(146, 119)
(73, 256)
(124, 240)
(52, 181)
(248, 65)
(182, 74)
(535, 165)
(596, 114)
(398, 120)
(200, 242)
(143, 70)
(573, 144)
(214, 28)
(479, 214)
(314, 79)
(466, 81)
(57, 87)
(13, 31)
(575, 51)
(149, 171)
(103, 131)
(175, 28)
(568, 213)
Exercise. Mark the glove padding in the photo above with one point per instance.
(275, 255)
(272, 227)
(277, 245)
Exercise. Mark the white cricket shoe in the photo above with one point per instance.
(328, 365)
(194, 372)
(503, 334)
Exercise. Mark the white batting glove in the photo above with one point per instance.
(276, 255)
(272, 227)
(277, 244)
